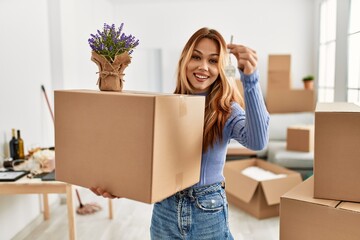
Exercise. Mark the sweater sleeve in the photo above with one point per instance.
(250, 127)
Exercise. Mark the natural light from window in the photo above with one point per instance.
(353, 94)
(327, 51)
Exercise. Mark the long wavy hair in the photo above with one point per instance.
(222, 92)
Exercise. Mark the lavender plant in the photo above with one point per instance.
(111, 42)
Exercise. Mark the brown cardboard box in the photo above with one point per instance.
(337, 151)
(304, 217)
(279, 62)
(141, 146)
(300, 138)
(259, 198)
(286, 101)
(279, 80)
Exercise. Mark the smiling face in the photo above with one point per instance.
(202, 70)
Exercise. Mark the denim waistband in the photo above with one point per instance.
(202, 190)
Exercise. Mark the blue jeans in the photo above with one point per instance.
(195, 213)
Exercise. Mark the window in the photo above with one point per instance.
(327, 47)
(353, 88)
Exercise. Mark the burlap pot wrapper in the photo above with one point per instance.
(111, 74)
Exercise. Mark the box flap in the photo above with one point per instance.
(238, 184)
(337, 107)
(273, 167)
(350, 206)
(274, 189)
(305, 192)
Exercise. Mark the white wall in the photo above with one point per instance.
(45, 42)
(24, 64)
(24, 47)
(270, 27)
(27, 61)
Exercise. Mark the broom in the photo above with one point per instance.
(88, 208)
(48, 103)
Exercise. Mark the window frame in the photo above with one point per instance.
(353, 60)
(341, 50)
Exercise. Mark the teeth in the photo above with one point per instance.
(201, 76)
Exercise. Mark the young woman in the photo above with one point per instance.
(201, 211)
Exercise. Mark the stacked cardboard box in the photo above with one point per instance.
(304, 217)
(279, 72)
(300, 138)
(327, 206)
(141, 146)
(280, 97)
(259, 198)
(337, 151)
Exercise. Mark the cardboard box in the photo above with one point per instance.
(279, 62)
(279, 80)
(259, 198)
(304, 217)
(287, 101)
(337, 151)
(141, 146)
(300, 138)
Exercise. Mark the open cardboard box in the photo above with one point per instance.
(304, 217)
(259, 198)
(337, 151)
(141, 146)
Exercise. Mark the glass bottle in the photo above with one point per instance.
(21, 153)
(14, 146)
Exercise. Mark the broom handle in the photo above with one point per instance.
(78, 197)
(48, 103)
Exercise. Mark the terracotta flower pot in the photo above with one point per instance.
(309, 85)
(111, 74)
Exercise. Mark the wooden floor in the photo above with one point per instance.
(132, 222)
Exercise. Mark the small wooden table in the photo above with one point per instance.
(37, 186)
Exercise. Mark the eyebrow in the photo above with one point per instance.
(213, 54)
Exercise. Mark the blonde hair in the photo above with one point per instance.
(222, 92)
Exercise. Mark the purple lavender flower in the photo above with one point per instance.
(111, 41)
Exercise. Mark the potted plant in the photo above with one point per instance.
(111, 49)
(308, 82)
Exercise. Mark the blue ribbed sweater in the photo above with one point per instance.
(249, 127)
